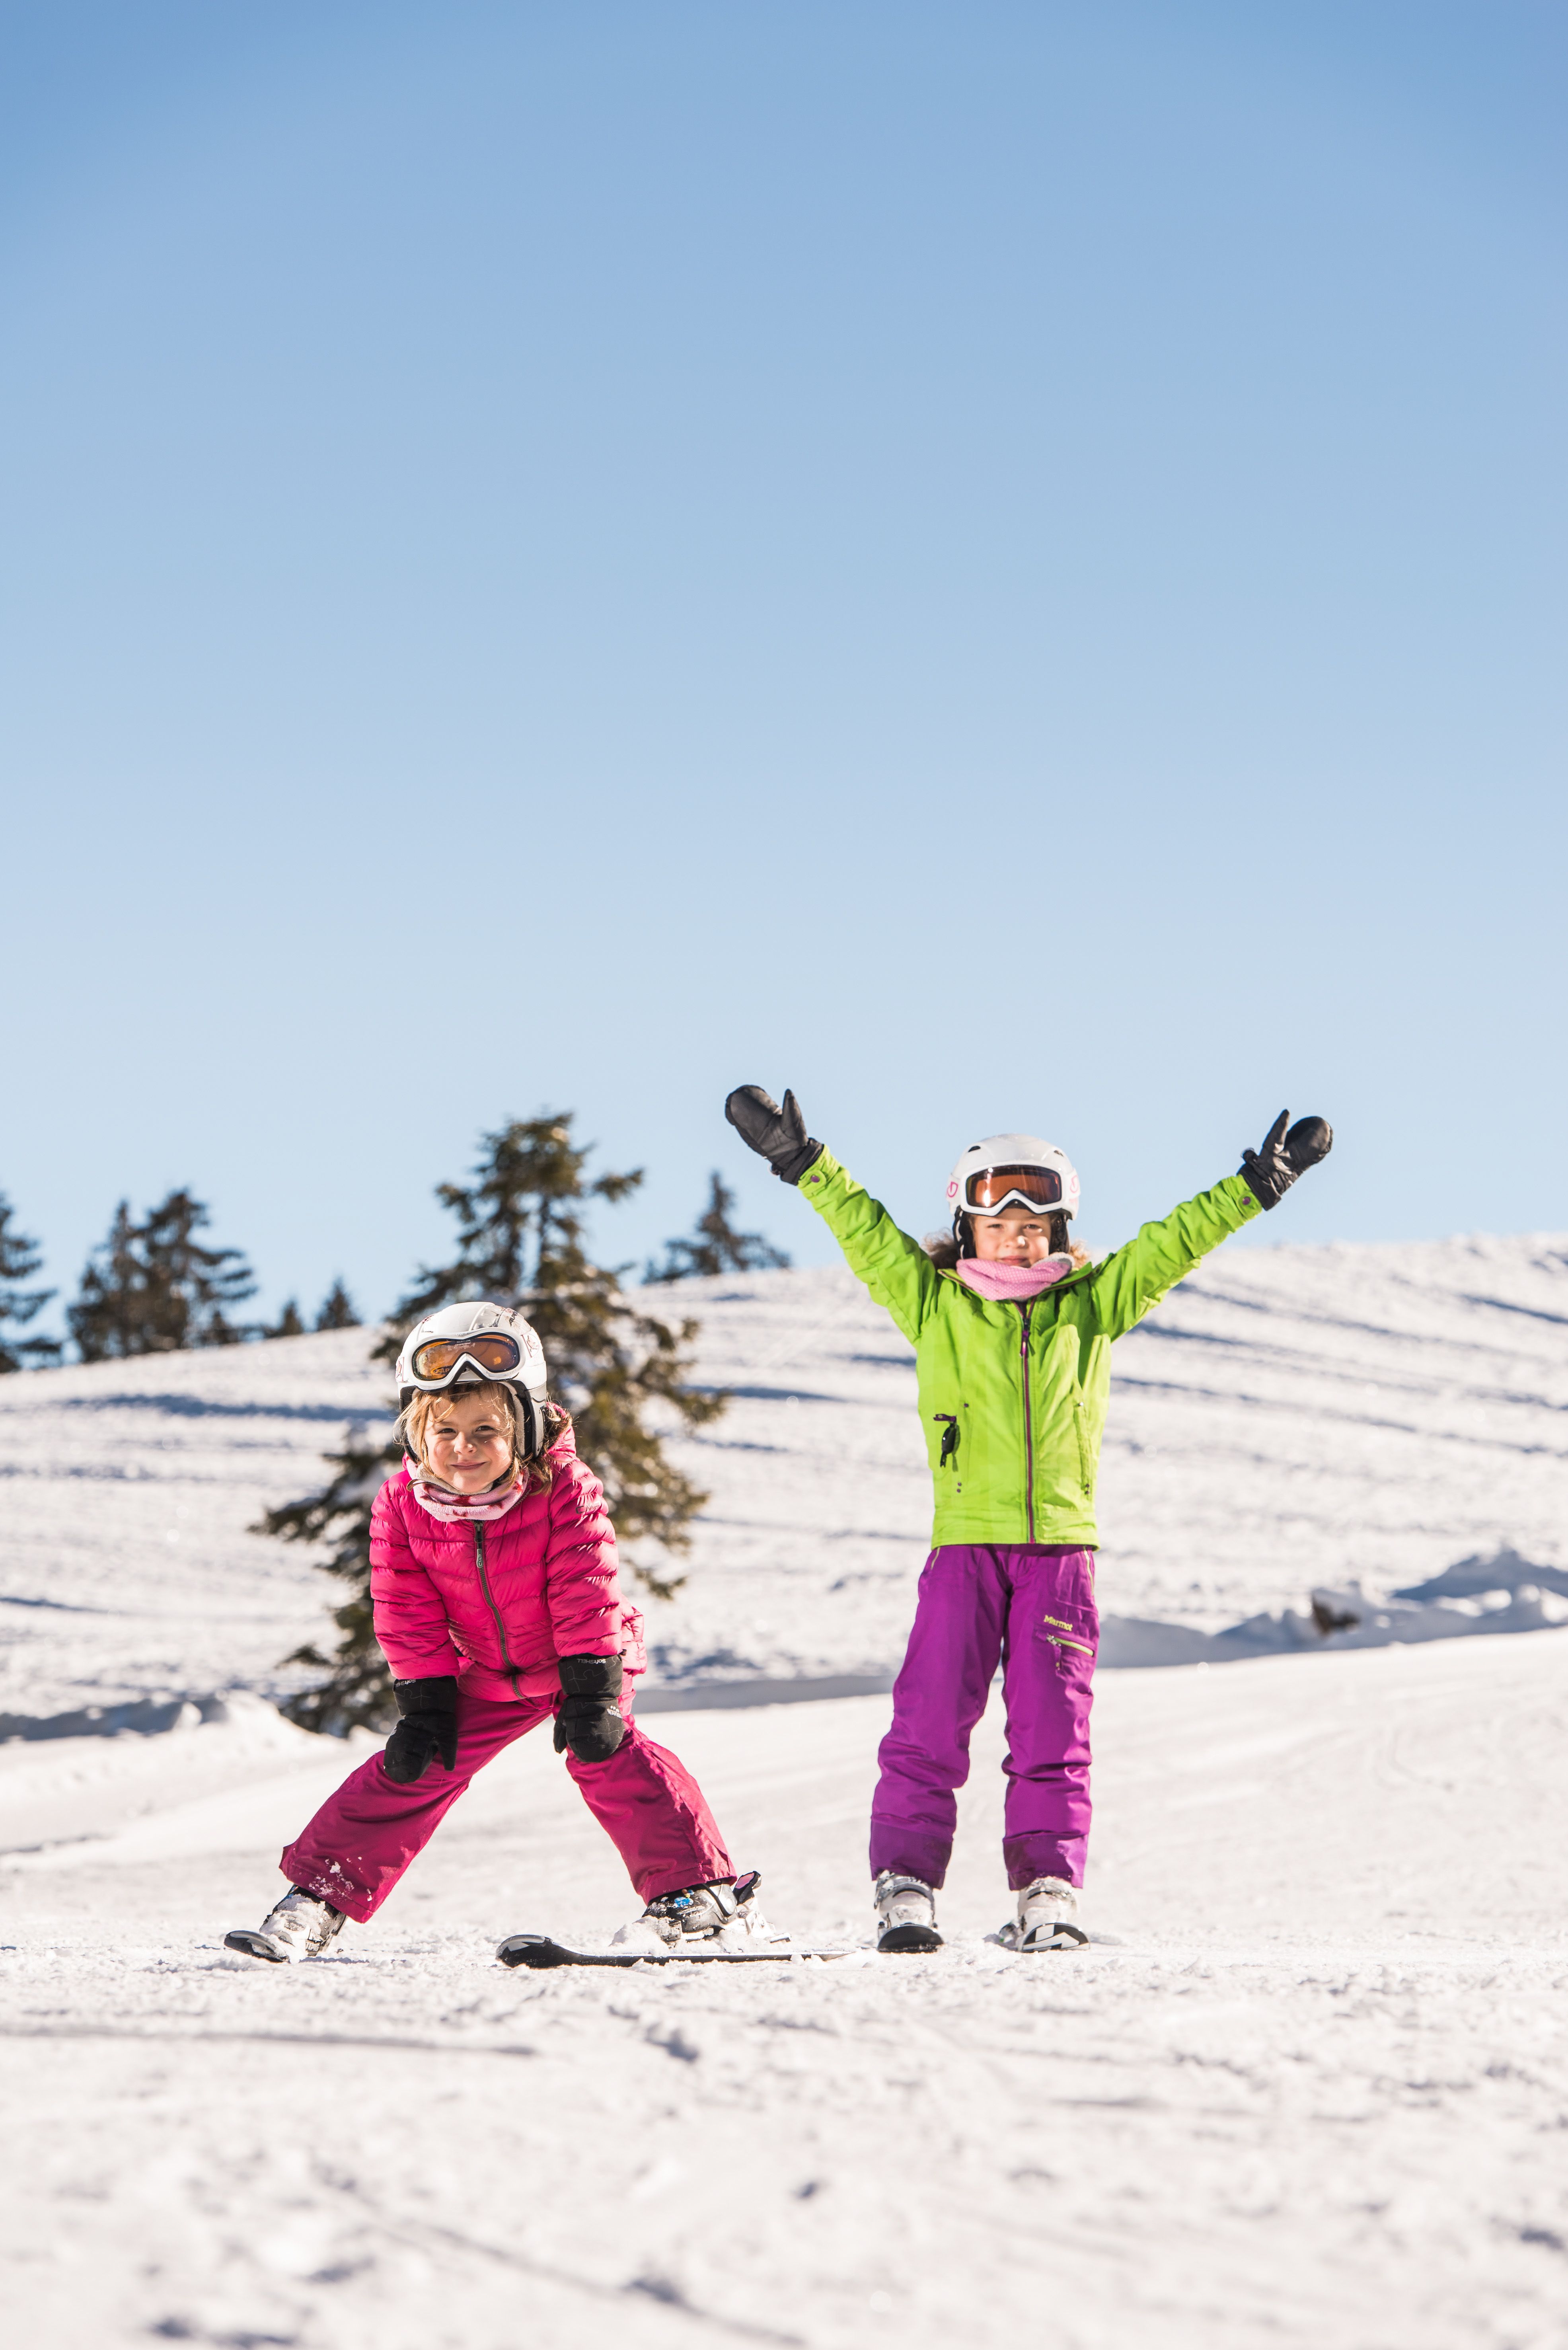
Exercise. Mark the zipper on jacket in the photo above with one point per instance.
(1084, 1480)
(950, 1437)
(1025, 1309)
(507, 1666)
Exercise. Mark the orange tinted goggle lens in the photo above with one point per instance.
(990, 1187)
(493, 1351)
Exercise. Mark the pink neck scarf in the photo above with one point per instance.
(991, 1278)
(463, 1508)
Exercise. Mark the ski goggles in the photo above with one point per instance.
(491, 1353)
(991, 1188)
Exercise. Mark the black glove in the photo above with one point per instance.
(779, 1136)
(1270, 1172)
(587, 1718)
(429, 1728)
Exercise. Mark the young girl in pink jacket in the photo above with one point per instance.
(496, 1603)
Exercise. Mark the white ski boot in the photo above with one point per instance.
(701, 1912)
(1046, 1920)
(906, 1914)
(300, 1926)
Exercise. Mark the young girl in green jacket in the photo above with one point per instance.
(1012, 1330)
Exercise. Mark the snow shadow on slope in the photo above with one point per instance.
(144, 1716)
(197, 1407)
(1504, 1592)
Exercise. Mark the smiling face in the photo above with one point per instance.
(1014, 1237)
(468, 1440)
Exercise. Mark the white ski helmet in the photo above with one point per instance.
(465, 1344)
(1011, 1171)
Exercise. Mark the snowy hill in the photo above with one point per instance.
(1312, 2092)
(1306, 2086)
(127, 1572)
(1289, 1419)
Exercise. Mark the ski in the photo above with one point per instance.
(540, 1950)
(256, 1945)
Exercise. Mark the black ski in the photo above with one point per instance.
(539, 1951)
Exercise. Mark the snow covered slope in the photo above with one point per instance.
(1312, 2094)
(1289, 1418)
(1308, 2089)
(126, 1569)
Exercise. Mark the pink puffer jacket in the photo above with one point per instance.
(499, 1603)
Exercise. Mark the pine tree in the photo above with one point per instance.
(716, 1246)
(288, 1324)
(153, 1287)
(338, 1310)
(19, 1259)
(359, 1688)
(518, 1231)
(520, 1241)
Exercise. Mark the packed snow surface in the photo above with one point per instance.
(1309, 2084)
(1314, 2090)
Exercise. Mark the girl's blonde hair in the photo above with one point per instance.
(414, 1425)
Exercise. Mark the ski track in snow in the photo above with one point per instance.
(1311, 2087)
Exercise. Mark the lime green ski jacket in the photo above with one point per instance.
(1014, 1396)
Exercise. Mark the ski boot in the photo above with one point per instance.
(300, 1926)
(699, 1912)
(906, 1914)
(1046, 1920)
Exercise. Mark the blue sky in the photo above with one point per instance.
(1000, 565)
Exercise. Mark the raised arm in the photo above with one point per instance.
(895, 1268)
(1135, 1278)
(1138, 1276)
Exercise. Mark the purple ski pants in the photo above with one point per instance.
(364, 1836)
(1032, 1607)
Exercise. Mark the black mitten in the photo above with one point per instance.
(1270, 1172)
(777, 1135)
(429, 1728)
(587, 1718)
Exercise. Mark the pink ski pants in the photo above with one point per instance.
(1032, 1607)
(364, 1836)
